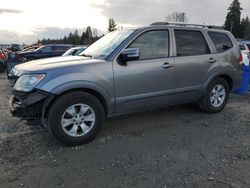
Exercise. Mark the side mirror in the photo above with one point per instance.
(130, 54)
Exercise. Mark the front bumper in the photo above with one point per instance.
(28, 106)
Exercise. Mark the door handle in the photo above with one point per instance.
(212, 60)
(166, 65)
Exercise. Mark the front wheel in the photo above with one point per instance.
(76, 118)
(216, 97)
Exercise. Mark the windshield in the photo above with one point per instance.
(74, 51)
(41, 47)
(107, 44)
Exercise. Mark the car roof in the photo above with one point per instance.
(69, 45)
(185, 26)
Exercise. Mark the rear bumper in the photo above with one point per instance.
(28, 106)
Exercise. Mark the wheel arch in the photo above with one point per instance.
(228, 79)
(225, 76)
(50, 101)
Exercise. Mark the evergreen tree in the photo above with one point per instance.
(65, 40)
(247, 31)
(70, 38)
(233, 20)
(245, 23)
(112, 25)
(89, 35)
(76, 38)
(83, 38)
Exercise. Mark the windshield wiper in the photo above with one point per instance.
(86, 55)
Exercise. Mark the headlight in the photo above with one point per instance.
(28, 82)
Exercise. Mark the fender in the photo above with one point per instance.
(110, 101)
(229, 73)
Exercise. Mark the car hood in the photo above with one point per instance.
(42, 65)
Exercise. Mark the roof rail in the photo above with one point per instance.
(187, 24)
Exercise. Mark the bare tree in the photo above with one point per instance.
(177, 17)
(112, 25)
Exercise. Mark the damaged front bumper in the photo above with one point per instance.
(29, 106)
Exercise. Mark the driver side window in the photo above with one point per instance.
(152, 44)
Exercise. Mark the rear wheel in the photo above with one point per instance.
(76, 118)
(216, 97)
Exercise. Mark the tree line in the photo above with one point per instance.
(85, 38)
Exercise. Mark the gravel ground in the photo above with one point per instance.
(173, 147)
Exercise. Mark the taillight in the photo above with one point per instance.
(2, 56)
(241, 58)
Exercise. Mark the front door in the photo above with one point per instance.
(148, 82)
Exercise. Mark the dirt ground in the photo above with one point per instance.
(173, 147)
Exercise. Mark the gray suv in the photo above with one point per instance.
(126, 71)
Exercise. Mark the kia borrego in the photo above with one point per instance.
(126, 71)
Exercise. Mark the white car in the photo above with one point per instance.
(245, 54)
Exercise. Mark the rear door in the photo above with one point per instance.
(193, 61)
(147, 82)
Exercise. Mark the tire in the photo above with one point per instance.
(2, 68)
(214, 103)
(68, 104)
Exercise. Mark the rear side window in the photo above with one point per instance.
(189, 43)
(152, 44)
(221, 41)
(248, 45)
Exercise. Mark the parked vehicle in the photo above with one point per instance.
(245, 60)
(246, 42)
(15, 47)
(245, 54)
(3, 58)
(51, 50)
(125, 71)
(244, 48)
(75, 51)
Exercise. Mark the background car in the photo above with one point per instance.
(45, 51)
(246, 42)
(75, 51)
(3, 58)
(245, 54)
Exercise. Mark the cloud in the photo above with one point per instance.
(144, 12)
(14, 11)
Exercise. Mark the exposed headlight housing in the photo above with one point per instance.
(13, 72)
(28, 82)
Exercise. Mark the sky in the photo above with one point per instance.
(26, 21)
